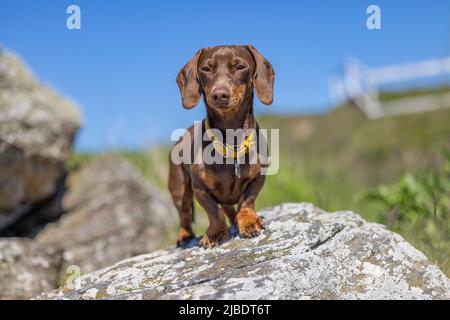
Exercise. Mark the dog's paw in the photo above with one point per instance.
(184, 238)
(249, 224)
(212, 240)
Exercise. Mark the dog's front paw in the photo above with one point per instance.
(213, 239)
(249, 224)
(184, 238)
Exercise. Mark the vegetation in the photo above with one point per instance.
(418, 206)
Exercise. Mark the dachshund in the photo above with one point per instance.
(226, 76)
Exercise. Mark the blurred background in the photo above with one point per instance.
(363, 113)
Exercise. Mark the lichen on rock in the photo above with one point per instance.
(304, 253)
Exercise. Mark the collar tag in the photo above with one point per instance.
(237, 169)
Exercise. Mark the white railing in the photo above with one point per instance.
(361, 85)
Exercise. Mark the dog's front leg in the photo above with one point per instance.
(217, 232)
(248, 222)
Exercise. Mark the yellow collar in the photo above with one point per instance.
(227, 150)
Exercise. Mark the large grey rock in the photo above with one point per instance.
(304, 253)
(37, 128)
(26, 268)
(112, 213)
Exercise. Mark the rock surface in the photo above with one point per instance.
(37, 128)
(26, 268)
(112, 213)
(304, 253)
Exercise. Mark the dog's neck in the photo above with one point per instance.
(242, 118)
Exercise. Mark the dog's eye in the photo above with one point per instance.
(205, 69)
(241, 67)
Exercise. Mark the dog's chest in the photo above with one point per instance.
(227, 182)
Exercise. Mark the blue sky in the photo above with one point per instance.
(121, 66)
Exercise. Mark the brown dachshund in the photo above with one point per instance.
(226, 77)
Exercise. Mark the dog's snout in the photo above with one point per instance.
(221, 96)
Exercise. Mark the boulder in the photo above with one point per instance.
(112, 213)
(26, 268)
(304, 253)
(37, 128)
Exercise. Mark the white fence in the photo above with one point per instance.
(361, 85)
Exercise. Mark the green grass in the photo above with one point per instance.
(153, 163)
(392, 95)
(418, 206)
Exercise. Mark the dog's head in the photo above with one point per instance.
(226, 75)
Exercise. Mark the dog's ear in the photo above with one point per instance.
(263, 77)
(188, 82)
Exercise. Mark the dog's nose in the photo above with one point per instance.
(221, 96)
